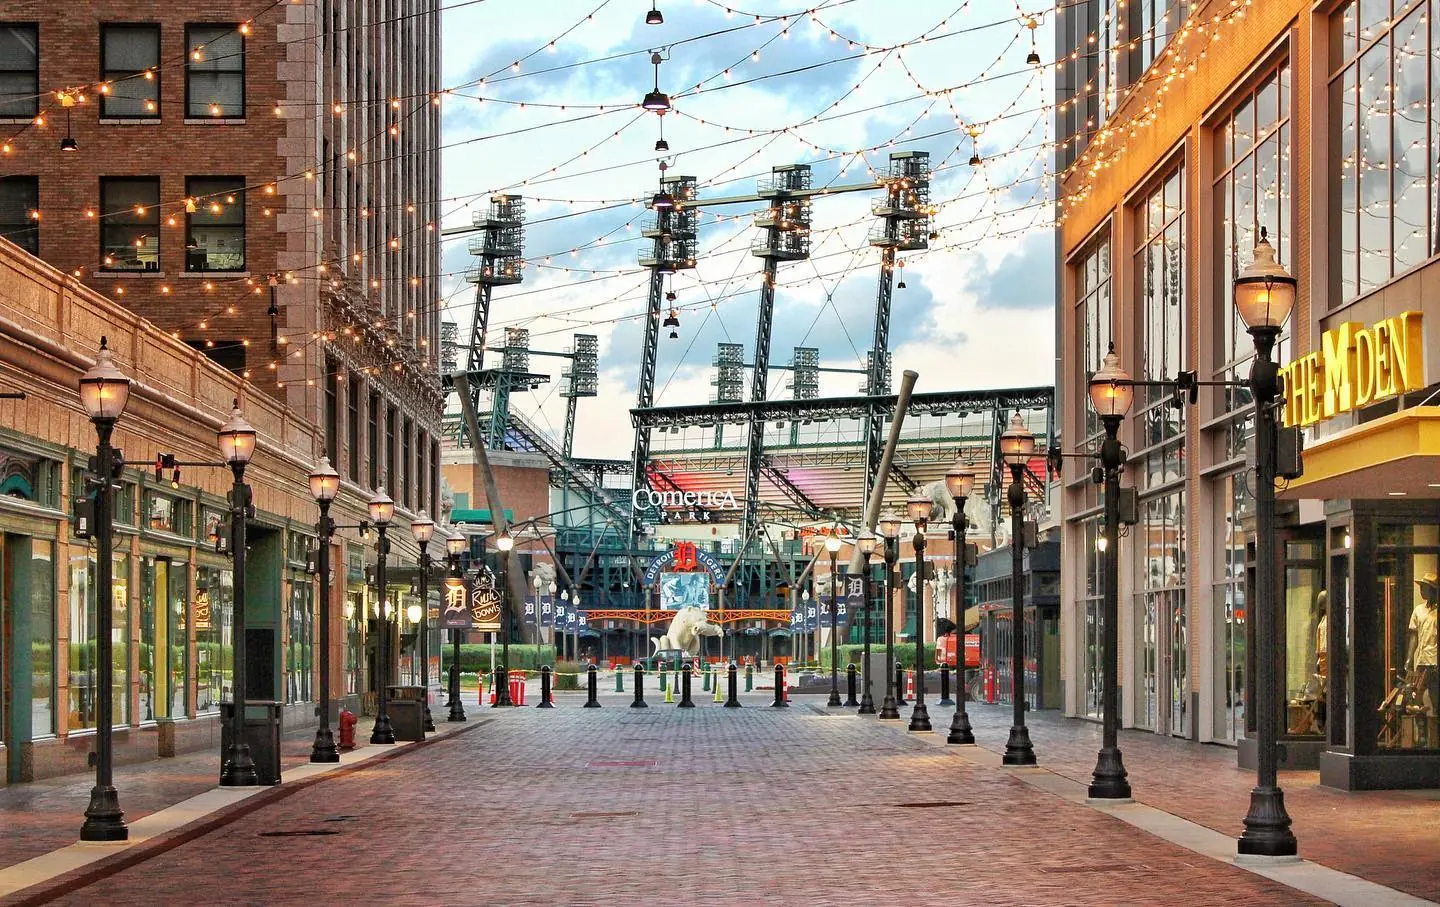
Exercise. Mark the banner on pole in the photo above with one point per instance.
(455, 603)
(485, 604)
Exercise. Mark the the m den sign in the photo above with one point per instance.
(1355, 366)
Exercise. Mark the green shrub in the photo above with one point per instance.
(475, 657)
(904, 654)
(569, 675)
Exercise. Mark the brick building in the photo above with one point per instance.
(1186, 128)
(258, 182)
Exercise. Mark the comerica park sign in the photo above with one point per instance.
(712, 500)
(1355, 366)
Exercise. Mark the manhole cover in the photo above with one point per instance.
(621, 763)
(299, 833)
(936, 804)
(603, 815)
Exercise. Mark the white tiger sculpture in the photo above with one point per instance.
(686, 628)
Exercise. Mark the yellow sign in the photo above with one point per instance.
(1355, 366)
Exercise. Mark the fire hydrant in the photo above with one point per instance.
(348, 720)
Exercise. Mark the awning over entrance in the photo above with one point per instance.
(1394, 456)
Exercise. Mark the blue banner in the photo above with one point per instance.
(529, 611)
(547, 611)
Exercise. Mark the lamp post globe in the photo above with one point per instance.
(1111, 390)
(104, 391)
(1017, 444)
(504, 542)
(455, 544)
(1264, 290)
(888, 526)
(422, 528)
(324, 481)
(382, 508)
(959, 481)
(237, 439)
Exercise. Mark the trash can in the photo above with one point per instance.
(262, 733)
(407, 712)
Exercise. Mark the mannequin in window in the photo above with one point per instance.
(1420, 660)
(1309, 718)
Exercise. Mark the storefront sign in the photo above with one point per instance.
(202, 611)
(685, 557)
(1355, 366)
(455, 598)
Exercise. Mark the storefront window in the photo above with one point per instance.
(83, 639)
(32, 566)
(1093, 321)
(163, 648)
(167, 514)
(1407, 595)
(29, 477)
(300, 645)
(1162, 628)
(1306, 624)
(214, 616)
(354, 641)
(1093, 657)
(1232, 503)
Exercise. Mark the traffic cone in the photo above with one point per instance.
(719, 697)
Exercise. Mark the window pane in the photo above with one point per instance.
(131, 48)
(19, 71)
(1374, 165)
(1348, 267)
(130, 231)
(215, 83)
(1408, 137)
(128, 50)
(216, 231)
(19, 199)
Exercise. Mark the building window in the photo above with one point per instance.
(435, 478)
(163, 643)
(1094, 322)
(84, 684)
(215, 230)
(1232, 504)
(1162, 629)
(1385, 115)
(214, 71)
(332, 409)
(27, 477)
(376, 408)
(130, 223)
(352, 426)
(129, 67)
(299, 638)
(214, 616)
(407, 494)
(19, 70)
(164, 513)
(20, 211)
(391, 476)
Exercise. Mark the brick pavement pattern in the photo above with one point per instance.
(710, 805)
(1389, 837)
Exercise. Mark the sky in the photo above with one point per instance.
(545, 105)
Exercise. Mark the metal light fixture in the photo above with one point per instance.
(237, 439)
(455, 544)
(1017, 444)
(866, 541)
(960, 481)
(1264, 290)
(1111, 390)
(662, 145)
(833, 544)
(324, 481)
(422, 528)
(382, 508)
(1033, 58)
(889, 525)
(104, 389)
(504, 542)
(412, 613)
(656, 100)
(917, 508)
(654, 17)
(662, 201)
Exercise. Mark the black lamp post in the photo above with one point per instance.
(422, 528)
(832, 546)
(918, 509)
(1111, 393)
(455, 545)
(1264, 295)
(104, 391)
(1017, 446)
(889, 528)
(382, 510)
(324, 485)
(960, 481)
(866, 542)
(237, 446)
(504, 543)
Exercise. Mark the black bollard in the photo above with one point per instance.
(734, 701)
(900, 684)
(639, 702)
(850, 700)
(545, 702)
(945, 686)
(780, 702)
(592, 682)
(685, 700)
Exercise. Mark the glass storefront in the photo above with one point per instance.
(214, 616)
(163, 639)
(354, 641)
(300, 639)
(1162, 691)
(1232, 504)
(82, 680)
(1404, 664)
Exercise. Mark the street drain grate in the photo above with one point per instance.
(299, 833)
(1104, 867)
(604, 815)
(934, 804)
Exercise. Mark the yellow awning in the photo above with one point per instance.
(1394, 456)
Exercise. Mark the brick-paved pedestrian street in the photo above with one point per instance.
(664, 805)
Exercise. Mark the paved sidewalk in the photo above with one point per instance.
(1389, 837)
(663, 805)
